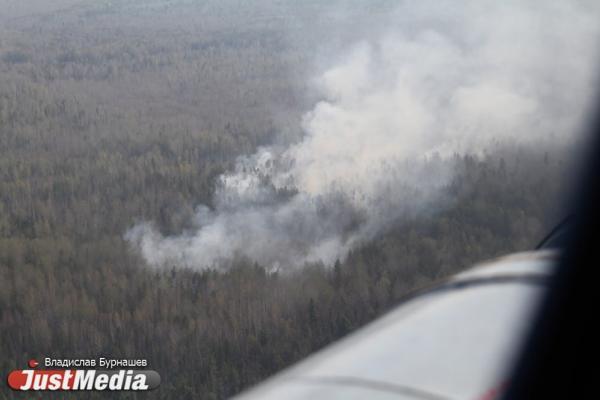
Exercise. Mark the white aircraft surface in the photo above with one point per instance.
(455, 340)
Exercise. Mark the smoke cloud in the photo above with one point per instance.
(442, 79)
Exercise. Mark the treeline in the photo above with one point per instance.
(210, 334)
(100, 128)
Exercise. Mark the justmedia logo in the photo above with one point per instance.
(82, 379)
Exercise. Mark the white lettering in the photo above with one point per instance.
(29, 380)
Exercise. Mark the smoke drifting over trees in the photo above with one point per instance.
(328, 128)
(395, 110)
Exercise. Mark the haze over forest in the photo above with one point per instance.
(223, 187)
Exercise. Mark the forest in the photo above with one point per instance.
(112, 113)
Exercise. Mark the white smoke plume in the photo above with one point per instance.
(444, 78)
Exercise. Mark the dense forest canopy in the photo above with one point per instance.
(114, 113)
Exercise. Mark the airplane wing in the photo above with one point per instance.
(456, 340)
